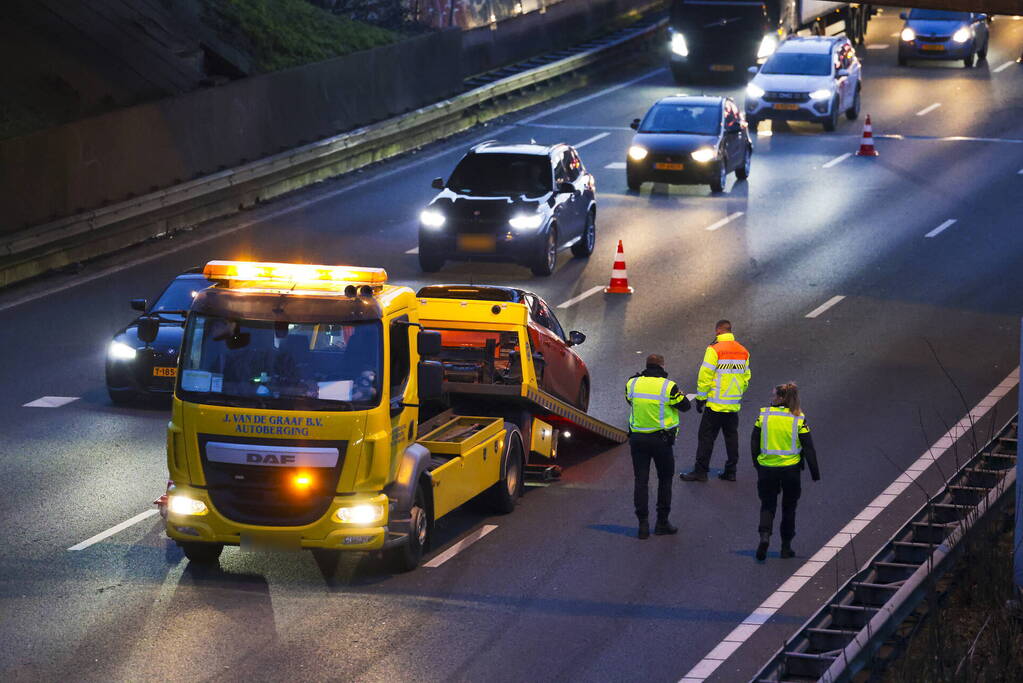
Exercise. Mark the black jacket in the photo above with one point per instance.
(808, 454)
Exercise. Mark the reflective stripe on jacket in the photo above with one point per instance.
(653, 407)
(779, 436)
(724, 375)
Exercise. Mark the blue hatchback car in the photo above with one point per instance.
(942, 34)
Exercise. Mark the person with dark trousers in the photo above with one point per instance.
(782, 447)
(720, 385)
(655, 402)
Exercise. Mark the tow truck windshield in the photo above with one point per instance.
(682, 119)
(264, 364)
(500, 175)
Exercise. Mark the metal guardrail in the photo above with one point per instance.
(841, 638)
(437, 120)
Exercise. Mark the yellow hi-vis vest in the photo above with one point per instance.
(779, 436)
(652, 409)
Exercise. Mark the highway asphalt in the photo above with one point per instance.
(561, 589)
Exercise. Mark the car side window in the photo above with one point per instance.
(401, 363)
(560, 173)
(575, 164)
(552, 322)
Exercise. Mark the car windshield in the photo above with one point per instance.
(262, 364)
(695, 119)
(179, 294)
(938, 15)
(798, 64)
(499, 175)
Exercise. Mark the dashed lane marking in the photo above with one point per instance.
(50, 402)
(573, 126)
(1019, 172)
(941, 228)
(460, 546)
(593, 96)
(741, 633)
(878, 46)
(413, 250)
(1002, 67)
(588, 141)
(928, 109)
(616, 166)
(725, 221)
(825, 306)
(114, 529)
(837, 160)
(576, 299)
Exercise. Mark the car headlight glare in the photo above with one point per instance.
(821, 94)
(183, 505)
(678, 45)
(908, 35)
(754, 90)
(704, 154)
(961, 35)
(637, 153)
(366, 513)
(767, 46)
(120, 351)
(526, 221)
(432, 218)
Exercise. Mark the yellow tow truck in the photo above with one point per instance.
(321, 407)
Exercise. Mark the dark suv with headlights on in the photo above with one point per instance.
(142, 359)
(687, 139)
(519, 202)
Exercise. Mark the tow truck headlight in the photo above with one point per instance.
(821, 94)
(767, 46)
(961, 35)
(366, 513)
(704, 154)
(678, 45)
(183, 505)
(120, 351)
(754, 91)
(908, 35)
(637, 153)
(526, 221)
(432, 218)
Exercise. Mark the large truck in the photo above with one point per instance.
(321, 407)
(725, 37)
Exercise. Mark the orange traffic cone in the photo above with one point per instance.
(867, 143)
(619, 278)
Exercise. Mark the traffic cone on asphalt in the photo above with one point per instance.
(867, 143)
(619, 278)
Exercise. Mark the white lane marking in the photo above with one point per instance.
(837, 160)
(717, 656)
(941, 228)
(587, 141)
(825, 306)
(928, 109)
(1019, 172)
(616, 166)
(461, 545)
(766, 128)
(576, 299)
(569, 126)
(724, 221)
(1002, 67)
(188, 243)
(50, 402)
(114, 529)
(413, 250)
(878, 46)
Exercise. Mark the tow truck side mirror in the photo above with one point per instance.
(437, 184)
(147, 329)
(430, 377)
(139, 305)
(428, 343)
(634, 125)
(575, 338)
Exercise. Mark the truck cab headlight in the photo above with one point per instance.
(961, 35)
(678, 45)
(120, 351)
(365, 513)
(432, 218)
(821, 94)
(754, 91)
(183, 505)
(704, 154)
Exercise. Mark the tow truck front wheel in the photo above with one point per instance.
(502, 495)
(408, 555)
(202, 553)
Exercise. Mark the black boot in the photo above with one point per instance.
(665, 528)
(765, 541)
(786, 548)
(644, 529)
(693, 476)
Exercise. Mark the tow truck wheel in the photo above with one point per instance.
(202, 553)
(502, 495)
(584, 247)
(407, 556)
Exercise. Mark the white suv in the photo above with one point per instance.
(806, 79)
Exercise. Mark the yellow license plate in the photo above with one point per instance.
(165, 372)
(785, 106)
(668, 167)
(933, 48)
(476, 243)
(722, 67)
